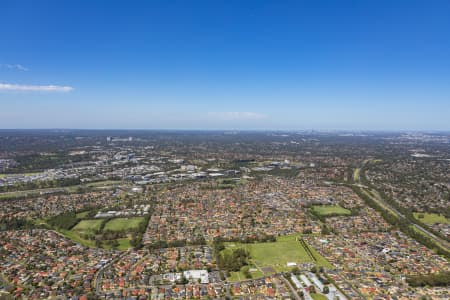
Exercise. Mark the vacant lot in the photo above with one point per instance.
(121, 224)
(326, 210)
(431, 218)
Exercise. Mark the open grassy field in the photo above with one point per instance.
(120, 224)
(87, 225)
(239, 276)
(75, 236)
(276, 255)
(356, 175)
(431, 218)
(124, 244)
(83, 227)
(325, 210)
(82, 215)
(318, 296)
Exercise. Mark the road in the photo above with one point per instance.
(374, 195)
(99, 274)
(293, 291)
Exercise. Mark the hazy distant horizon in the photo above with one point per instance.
(225, 130)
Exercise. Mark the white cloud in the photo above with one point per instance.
(17, 67)
(34, 88)
(236, 115)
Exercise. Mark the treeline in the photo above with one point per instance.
(441, 211)
(233, 260)
(136, 236)
(39, 184)
(410, 216)
(218, 246)
(354, 211)
(438, 279)
(289, 173)
(307, 249)
(90, 213)
(30, 194)
(64, 221)
(68, 220)
(109, 237)
(406, 212)
(15, 224)
(402, 224)
(262, 238)
(37, 162)
(178, 243)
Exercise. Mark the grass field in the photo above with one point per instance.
(87, 225)
(239, 276)
(356, 175)
(318, 296)
(75, 236)
(124, 244)
(275, 255)
(82, 215)
(120, 224)
(325, 210)
(432, 218)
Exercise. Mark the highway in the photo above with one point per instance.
(374, 195)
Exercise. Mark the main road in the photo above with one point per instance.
(374, 195)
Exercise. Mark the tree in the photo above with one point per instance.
(246, 272)
(325, 230)
(184, 280)
(114, 244)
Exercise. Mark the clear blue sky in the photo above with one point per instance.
(225, 64)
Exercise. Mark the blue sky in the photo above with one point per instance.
(377, 65)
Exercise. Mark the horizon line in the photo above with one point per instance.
(226, 129)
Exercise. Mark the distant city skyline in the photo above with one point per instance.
(225, 65)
